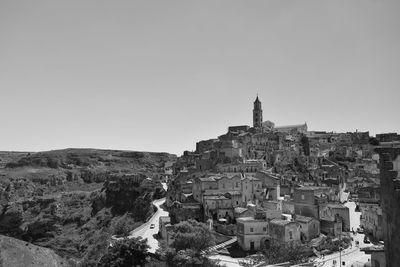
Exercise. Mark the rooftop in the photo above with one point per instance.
(280, 222)
(291, 126)
(249, 219)
(207, 179)
(251, 178)
(373, 249)
(336, 206)
(301, 218)
(215, 197)
(240, 210)
(309, 188)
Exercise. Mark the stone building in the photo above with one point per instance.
(330, 212)
(377, 255)
(271, 183)
(217, 207)
(284, 232)
(309, 227)
(307, 200)
(371, 219)
(252, 234)
(301, 128)
(241, 212)
(388, 137)
(238, 129)
(390, 201)
(205, 145)
(202, 184)
(251, 189)
(248, 166)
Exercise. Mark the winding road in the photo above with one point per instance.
(144, 230)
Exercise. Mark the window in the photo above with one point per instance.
(302, 197)
(314, 226)
(290, 235)
(223, 185)
(251, 229)
(237, 184)
(237, 202)
(264, 229)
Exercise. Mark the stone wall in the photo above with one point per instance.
(390, 193)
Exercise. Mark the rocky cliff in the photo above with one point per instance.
(17, 253)
(72, 200)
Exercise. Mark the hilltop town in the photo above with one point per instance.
(253, 196)
(266, 186)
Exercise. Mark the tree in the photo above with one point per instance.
(189, 248)
(126, 253)
(141, 208)
(278, 253)
(123, 225)
(192, 235)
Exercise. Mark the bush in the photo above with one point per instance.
(278, 253)
(123, 225)
(126, 252)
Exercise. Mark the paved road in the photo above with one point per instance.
(144, 230)
(226, 260)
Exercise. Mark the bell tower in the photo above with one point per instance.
(257, 114)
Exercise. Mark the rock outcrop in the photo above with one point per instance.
(17, 253)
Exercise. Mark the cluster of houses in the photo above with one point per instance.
(252, 206)
(267, 184)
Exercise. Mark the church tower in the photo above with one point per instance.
(257, 114)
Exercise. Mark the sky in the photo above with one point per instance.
(162, 75)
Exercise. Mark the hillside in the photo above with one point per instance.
(73, 200)
(17, 253)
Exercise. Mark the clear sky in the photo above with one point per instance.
(162, 75)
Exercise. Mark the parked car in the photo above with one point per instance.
(360, 230)
(366, 240)
(152, 226)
